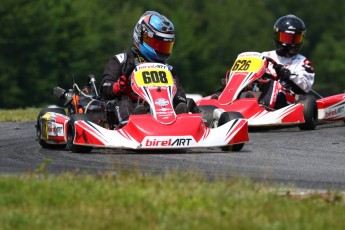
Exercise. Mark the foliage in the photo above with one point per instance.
(49, 43)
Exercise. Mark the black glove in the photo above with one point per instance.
(282, 73)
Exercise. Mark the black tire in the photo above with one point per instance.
(207, 113)
(191, 106)
(310, 113)
(71, 131)
(43, 143)
(225, 118)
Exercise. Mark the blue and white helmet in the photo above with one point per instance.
(154, 36)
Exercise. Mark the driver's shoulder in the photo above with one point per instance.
(121, 57)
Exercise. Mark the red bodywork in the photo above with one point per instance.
(248, 70)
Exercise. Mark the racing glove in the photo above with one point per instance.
(282, 73)
(121, 86)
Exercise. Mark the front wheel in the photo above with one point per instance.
(225, 117)
(310, 113)
(71, 134)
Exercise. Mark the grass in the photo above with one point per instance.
(133, 200)
(27, 114)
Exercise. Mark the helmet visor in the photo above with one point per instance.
(158, 44)
(288, 38)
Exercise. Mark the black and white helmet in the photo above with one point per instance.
(288, 35)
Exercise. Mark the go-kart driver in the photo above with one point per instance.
(154, 37)
(294, 71)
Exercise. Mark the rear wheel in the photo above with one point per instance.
(43, 143)
(310, 113)
(225, 117)
(71, 133)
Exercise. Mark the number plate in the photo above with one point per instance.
(154, 77)
(247, 64)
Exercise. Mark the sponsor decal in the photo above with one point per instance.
(167, 142)
(150, 65)
(334, 112)
(162, 102)
(120, 57)
(55, 129)
(145, 66)
(182, 99)
(160, 66)
(165, 112)
(118, 114)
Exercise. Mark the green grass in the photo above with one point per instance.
(133, 200)
(28, 114)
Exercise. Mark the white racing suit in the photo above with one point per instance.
(277, 94)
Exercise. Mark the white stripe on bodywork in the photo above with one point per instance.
(271, 117)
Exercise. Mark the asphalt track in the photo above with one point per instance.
(289, 157)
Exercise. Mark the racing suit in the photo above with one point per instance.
(123, 105)
(299, 82)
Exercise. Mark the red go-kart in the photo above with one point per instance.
(241, 92)
(87, 126)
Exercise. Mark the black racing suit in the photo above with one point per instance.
(124, 64)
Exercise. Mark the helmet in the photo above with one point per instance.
(288, 35)
(154, 36)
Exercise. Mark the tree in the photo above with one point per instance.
(48, 43)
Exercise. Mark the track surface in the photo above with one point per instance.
(305, 159)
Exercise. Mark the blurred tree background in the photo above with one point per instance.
(48, 43)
